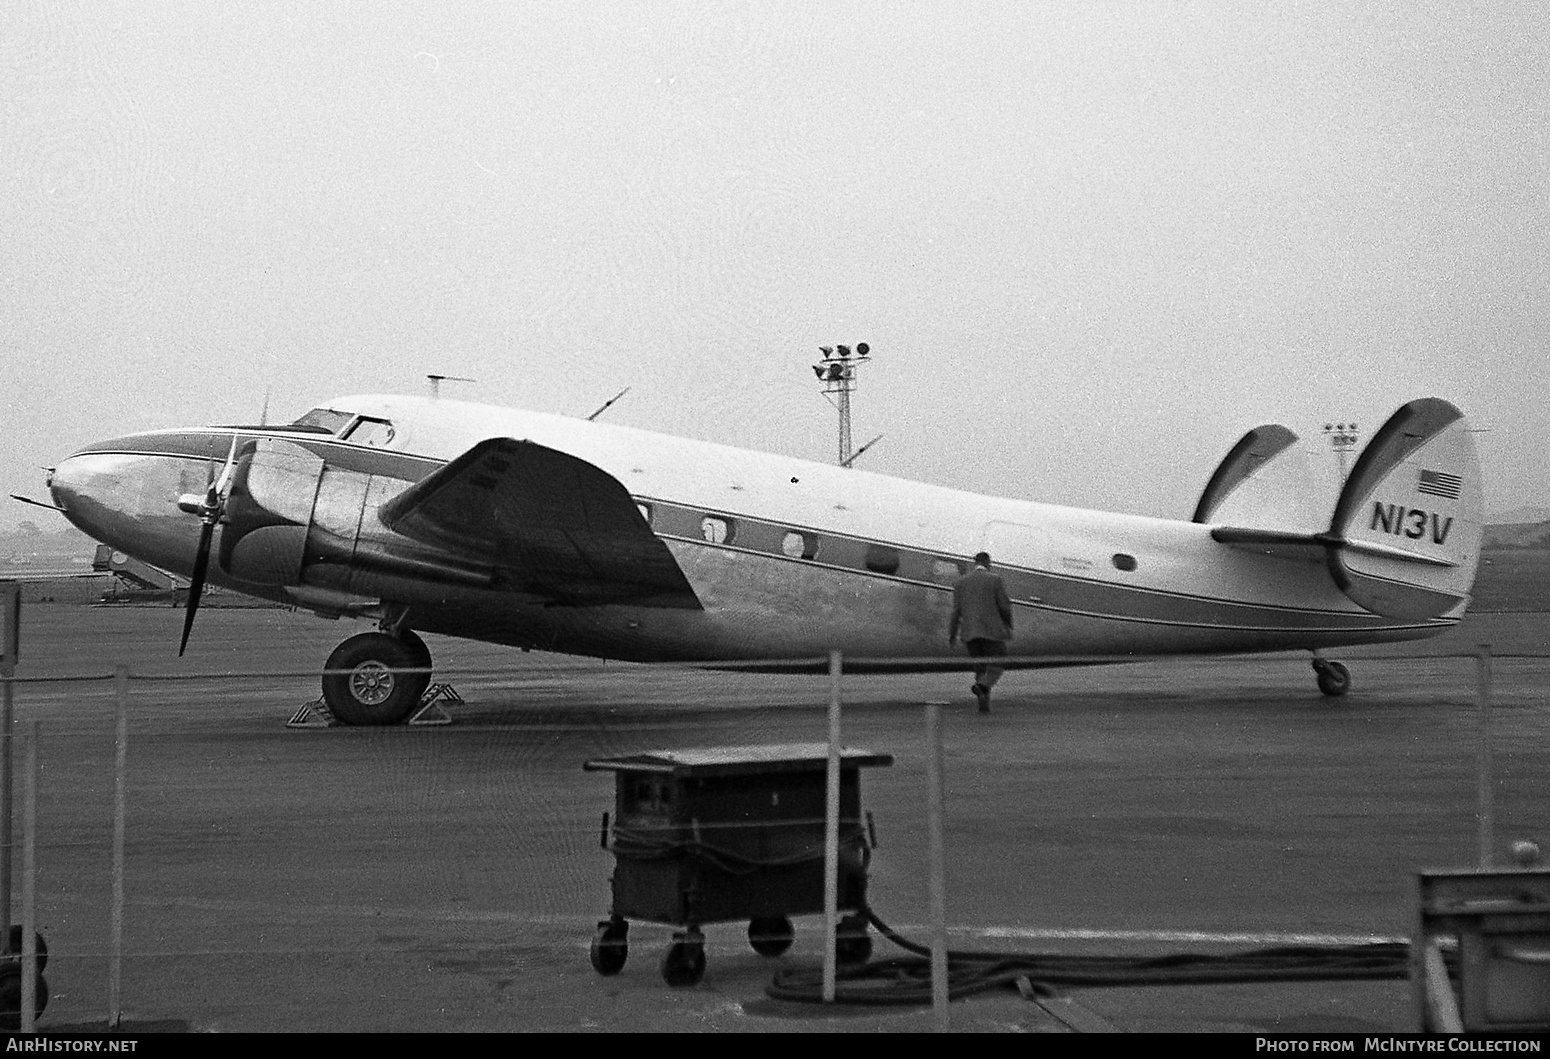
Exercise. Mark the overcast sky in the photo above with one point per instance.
(1089, 243)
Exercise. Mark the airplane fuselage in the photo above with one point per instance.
(788, 558)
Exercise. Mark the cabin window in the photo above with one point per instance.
(717, 530)
(946, 569)
(799, 545)
(881, 559)
(376, 433)
(1124, 562)
(645, 512)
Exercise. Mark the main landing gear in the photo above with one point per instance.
(1334, 677)
(366, 682)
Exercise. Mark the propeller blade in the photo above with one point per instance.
(35, 503)
(210, 513)
(196, 587)
(231, 461)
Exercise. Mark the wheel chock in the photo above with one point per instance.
(316, 714)
(431, 711)
(313, 715)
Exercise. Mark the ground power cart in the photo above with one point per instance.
(731, 834)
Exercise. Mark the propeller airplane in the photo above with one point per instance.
(582, 537)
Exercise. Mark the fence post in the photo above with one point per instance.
(10, 640)
(831, 836)
(1486, 800)
(120, 762)
(934, 813)
(29, 952)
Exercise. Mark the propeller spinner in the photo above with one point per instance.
(209, 508)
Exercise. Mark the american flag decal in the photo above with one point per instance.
(1436, 483)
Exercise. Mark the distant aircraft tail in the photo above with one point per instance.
(1406, 533)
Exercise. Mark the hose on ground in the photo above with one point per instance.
(906, 980)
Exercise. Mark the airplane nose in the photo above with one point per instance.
(130, 500)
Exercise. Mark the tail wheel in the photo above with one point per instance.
(1334, 677)
(365, 690)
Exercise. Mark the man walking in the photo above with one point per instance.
(982, 613)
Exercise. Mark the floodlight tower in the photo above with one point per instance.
(837, 372)
(1342, 438)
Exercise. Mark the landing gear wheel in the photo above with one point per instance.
(852, 943)
(367, 692)
(11, 996)
(1334, 677)
(684, 964)
(610, 946)
(414, 643)
(770, 936)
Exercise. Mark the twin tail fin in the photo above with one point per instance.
(1409, 521)
(1405, 537)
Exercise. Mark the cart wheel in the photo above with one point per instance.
(11, 996)
(852, 943)
(610, 946)
(16, 947)
(771, 936)
(684, 964)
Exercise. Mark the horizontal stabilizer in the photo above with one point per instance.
(555, 526)
(1303, 547)
(1263, 483)
(1409, 520)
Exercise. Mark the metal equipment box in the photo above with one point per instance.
(719, 834)
(1501, 921)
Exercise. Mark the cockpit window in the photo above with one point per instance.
(378, 433)
(324, 419)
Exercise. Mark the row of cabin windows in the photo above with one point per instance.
(799, 544)
(796, 544)
(879, 558)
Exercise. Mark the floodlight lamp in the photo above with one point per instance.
(818, 370)
(836, 372)
(844, 350)
(827, 351)
(862, 349)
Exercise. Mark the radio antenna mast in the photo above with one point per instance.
(436, 381)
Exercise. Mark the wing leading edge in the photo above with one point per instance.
(554, 526)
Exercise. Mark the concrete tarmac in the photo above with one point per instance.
(449, 879)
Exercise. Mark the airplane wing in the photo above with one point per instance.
(554, 526)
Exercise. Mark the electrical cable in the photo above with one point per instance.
(906, 980)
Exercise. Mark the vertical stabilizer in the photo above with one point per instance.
(1409, 520)
(1263, 483)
